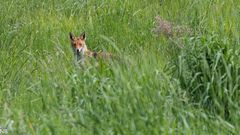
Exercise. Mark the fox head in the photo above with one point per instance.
(78, 45)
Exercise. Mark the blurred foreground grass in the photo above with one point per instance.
(42, 91)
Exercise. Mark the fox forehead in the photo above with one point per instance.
(78, 42)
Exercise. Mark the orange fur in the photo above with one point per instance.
(80, 48)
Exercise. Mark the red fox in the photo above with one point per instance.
(81, 51)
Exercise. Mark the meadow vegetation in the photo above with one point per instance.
(162, 84)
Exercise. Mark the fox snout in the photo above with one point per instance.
(79, 51)
(78, 55)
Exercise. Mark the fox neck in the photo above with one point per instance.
(79, 55)
(86, 53)
(96, 55)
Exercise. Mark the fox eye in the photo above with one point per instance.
(74, 44)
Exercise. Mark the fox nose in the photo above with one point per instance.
(79, 50)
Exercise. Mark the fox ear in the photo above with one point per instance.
(83, 36)
(71, 35)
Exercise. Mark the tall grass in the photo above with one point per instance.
(42, 90)
(210, 75)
